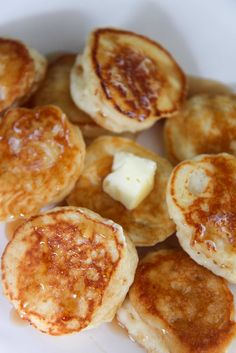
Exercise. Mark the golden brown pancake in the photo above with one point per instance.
(201, 200)
(206, 124)
(126, 81)
(201, 85)
(55, 89)
(21, 70)
(41, 157)
(67, 270)
(182, 307)
(147, 224)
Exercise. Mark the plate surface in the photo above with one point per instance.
(200, 35)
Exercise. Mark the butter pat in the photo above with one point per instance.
(131, 180)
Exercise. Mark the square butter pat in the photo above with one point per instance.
(131, 180)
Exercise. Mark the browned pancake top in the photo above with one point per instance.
(68, 264)
(24, 134)
(195, 304)
(132, 79)
(39, 151)
(206, 124)
(17, 72)
(213, 214)
(149, 222)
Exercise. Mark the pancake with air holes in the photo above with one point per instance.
(68, 270)
(126, 81)
(149, 222)
(206, 124)
(41, 158)
(202, 202)
(178, 306)
(55, 89)
(21, 71)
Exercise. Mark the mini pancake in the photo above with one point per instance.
(68, 270)
(206, 124)
(41, 157)
(201, 200)
(126, 81)
(21, 71)
(55, 89)
(147, 224)
(175, 305)
(201, 85)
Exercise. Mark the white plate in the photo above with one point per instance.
(201, 36)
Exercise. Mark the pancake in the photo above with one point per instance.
(201, 200)
(175, 305)
(21, 71)
(206, 124)
(125, 81)
(41, 157)
(55, 89)
(201, 85)
(147, 224)
(68, 270)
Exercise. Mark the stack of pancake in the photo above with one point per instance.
(73, 267)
